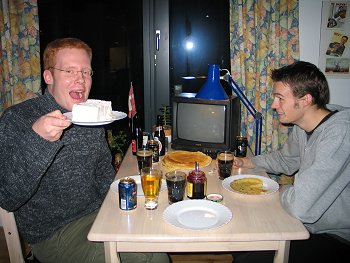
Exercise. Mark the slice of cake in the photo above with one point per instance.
(92, 111)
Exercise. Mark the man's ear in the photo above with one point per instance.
(308, 99)
(48, 76)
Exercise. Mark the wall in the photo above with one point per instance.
(310, 22)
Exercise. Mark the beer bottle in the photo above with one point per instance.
(159, 135)
(136, 136)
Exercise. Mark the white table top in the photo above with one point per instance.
(258, 222)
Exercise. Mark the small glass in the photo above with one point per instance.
(176, 184)
(144, 158)
(225, 162)
(151, 180)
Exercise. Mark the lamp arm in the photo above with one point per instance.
(240, 94)
(257, 115)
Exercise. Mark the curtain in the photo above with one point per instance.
(264, 35)
(20, 52)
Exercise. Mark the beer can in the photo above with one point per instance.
(146, 136)
(241, 146)
(154, 146)
(127, 189)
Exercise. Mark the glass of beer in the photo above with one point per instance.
(151, 181)
(176, 184)
(144, 158)
(225, 162)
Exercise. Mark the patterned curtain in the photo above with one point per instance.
(20, 52)
(264, 34)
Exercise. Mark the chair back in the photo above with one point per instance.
(13, 241)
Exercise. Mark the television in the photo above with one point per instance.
(203, 125)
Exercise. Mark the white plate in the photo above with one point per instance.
(137, 178)
(117, 115)
(197, 214)
(268, 184)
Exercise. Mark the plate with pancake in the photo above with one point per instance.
(249, 184)
(117, 115)
(185, 160)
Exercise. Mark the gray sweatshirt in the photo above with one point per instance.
(50, 184)
(320, 196)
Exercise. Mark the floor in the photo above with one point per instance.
(4, 256)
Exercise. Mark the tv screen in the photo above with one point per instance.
(201, 122)
(204, 125)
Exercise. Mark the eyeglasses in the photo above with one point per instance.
(72, 73)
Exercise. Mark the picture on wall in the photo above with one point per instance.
(335, 65)
(337, 44)
(334, 57)
(336, 15)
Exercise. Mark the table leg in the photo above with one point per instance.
(282, 254)
(111, 255)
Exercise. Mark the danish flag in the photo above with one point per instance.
(131, 102)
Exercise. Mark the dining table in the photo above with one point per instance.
(258, 222)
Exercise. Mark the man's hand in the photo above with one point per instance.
(51, 125)
(244, 162)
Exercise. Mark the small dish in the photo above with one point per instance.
(215, 198)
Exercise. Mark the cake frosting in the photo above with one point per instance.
(92, 111)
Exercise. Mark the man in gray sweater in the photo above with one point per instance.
(317, 152)
(54, 175)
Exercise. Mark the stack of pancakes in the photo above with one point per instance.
(185, 160)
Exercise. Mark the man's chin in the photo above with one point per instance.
(283, 121)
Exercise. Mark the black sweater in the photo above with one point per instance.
(50, 184)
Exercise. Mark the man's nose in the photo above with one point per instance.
(80, 77)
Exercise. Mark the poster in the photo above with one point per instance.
(335, 44)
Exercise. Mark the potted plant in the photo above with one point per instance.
(166, 119)
(117, 144)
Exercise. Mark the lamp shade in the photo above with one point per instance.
(212, 89)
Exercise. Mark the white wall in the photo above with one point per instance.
(310, 23)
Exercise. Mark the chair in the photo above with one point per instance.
(12, 237)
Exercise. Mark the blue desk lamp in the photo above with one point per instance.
(212, 90)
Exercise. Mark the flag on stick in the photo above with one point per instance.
(131, 102)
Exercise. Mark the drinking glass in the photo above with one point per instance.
(151, 180)
(176, 183)
(144, 158)
(225, 162)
